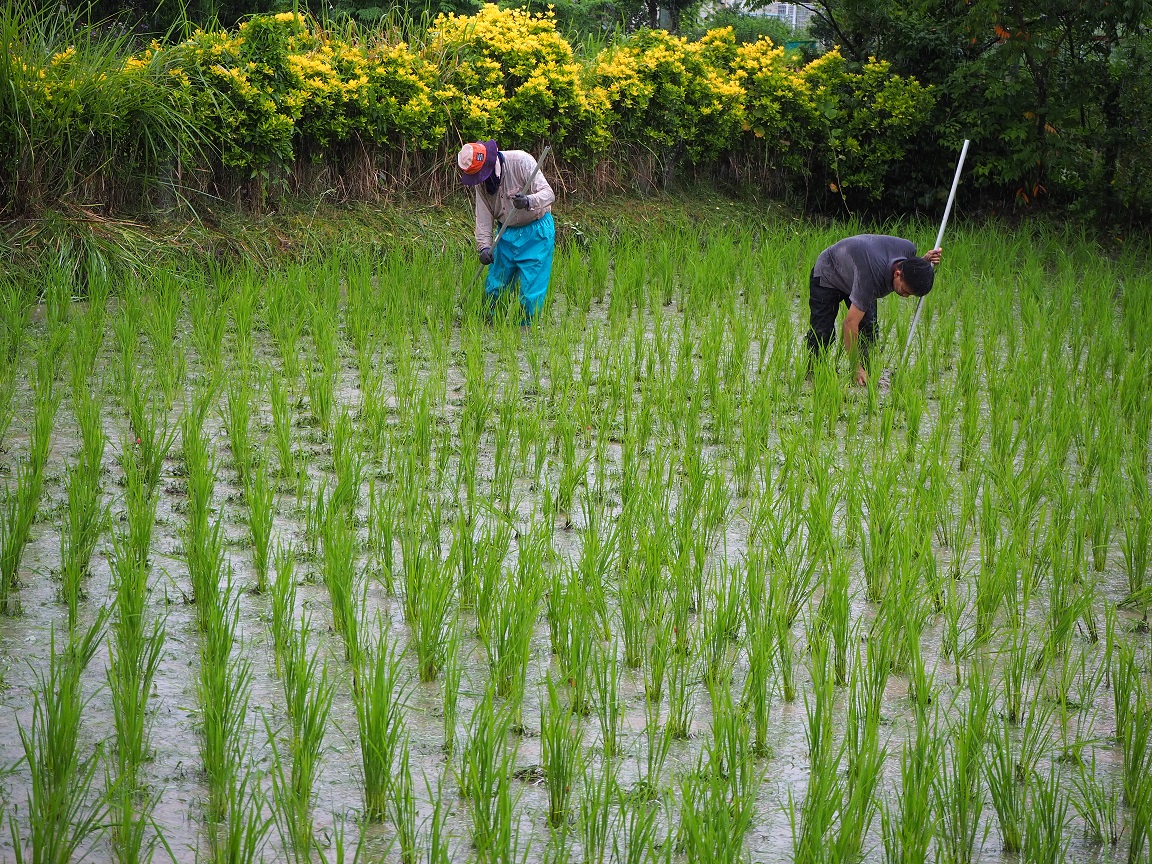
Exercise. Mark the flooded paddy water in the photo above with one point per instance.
(632, 584)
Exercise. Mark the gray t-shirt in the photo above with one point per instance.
(861, 267)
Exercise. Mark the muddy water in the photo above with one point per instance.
(174, 772)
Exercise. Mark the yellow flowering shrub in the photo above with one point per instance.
(779, 109)
(663, 90)
(280, 86)
(869, 117)
(509, 74)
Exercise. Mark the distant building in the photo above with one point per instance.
(792, 14)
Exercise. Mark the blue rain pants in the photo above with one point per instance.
(524, 254)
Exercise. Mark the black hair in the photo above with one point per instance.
(918, 274)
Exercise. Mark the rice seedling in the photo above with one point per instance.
(308, 694)
(958, 787)
(487, 766)
(507, 639)
(236, 415)
(599, 790)
(134, 658)
(379, 697)
(909, 826)
(561, 735)
(402, 806)
(20, 504)
(261, 496)
(1046, 817)
(719, 797)
(63, 809)
(609, 708)
(1097, 801)
(428, 599)
(84, 518)
(343, 581)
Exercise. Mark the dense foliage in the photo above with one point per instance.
(1056, 104)
(257, 104)
(1054, 93)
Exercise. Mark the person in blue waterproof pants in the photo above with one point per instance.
(523, 256)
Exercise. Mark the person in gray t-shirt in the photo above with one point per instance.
(858, 271)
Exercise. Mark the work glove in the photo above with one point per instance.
(486, 255)
(520, 202)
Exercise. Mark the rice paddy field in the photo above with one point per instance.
(314, 562)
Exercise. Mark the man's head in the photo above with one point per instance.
(913, 277)
(477, 161)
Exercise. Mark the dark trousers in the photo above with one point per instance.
(824, 305)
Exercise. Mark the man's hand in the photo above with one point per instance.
(861, 377)
(933, 257)
(486, 256)
(520, 202)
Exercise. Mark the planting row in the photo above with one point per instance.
(321, 562)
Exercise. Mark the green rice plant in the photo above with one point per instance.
(308, 694)
(657, 743)
(283, 602)
(289, 467)
(909, 827)
(164, 304)
(380, 698)
(321, 378)
(958, 787)
(876, 542)
(721, 618)
(223, 687)
(1007, 791)
(632, 613)
(719, 797)
(1046, 818)
(208, 324)
(134, 657)
(791, 582)
(508, 638)
(609, 706)
(682, 683)
(453, 676)
(1136, 743)
(1098, 803)
(487, 766)
(236, 415)
(571, 627)
(338, 567)
(402, 805)
(561, 736)
(431, 594)
(438, 848)
(1136, 543)
(1099, 506)
(641, 841)
(63, 813)
(761, 651)
(84, 517)
(347, 464)
(599, 789)
(382, 518)
(823, 796)
(152, 430)
(261, 496)
(20, 505)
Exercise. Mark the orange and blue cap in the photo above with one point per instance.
(477, 161)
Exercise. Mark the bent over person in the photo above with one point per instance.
(857, 271)
(524, 253)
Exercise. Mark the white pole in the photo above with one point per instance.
(939, 238)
